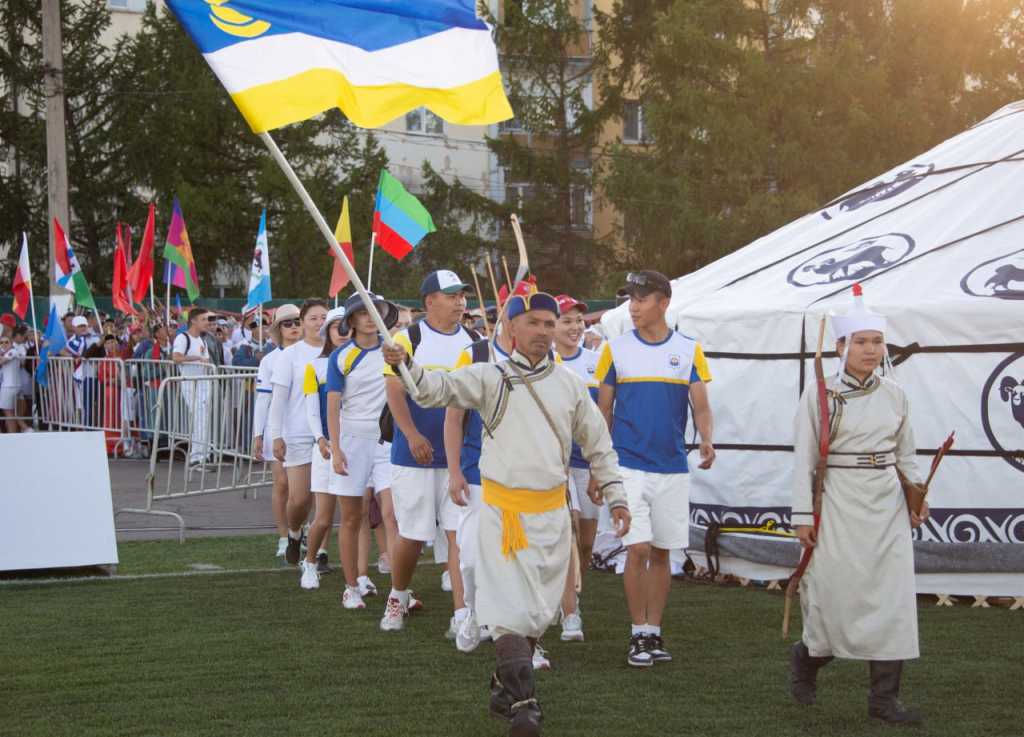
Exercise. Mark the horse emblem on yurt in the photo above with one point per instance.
(1002, 410)
(1002, 277)
(884, 189)
(853, 261)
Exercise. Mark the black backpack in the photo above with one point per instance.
(387, 421)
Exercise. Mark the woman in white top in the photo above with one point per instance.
(285, 331)
(11, 358)
(289, 429)
(315, 389)
(355, 398)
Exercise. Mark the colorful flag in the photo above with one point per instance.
(373, 59)
(180, 266)
(399, 220)
(119, 293)
(22, 281)
(259, 277)
(68, 272)
(141, 272)
(343, 234)
(54, 341)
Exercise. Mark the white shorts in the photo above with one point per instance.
(8, 397)
(298, 452)
(660, 506)
(421, 502)
(319, 472)
(579, 481)
(369, 466)
(467, 532)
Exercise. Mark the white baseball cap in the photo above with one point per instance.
(79, 320)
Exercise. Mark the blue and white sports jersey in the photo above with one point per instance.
(315, 382)
(584, 365)
(436, 350)
(652, 390)
(357, 373)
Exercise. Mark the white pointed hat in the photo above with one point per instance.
(858, 318)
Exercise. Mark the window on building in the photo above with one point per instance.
(633, 128)
(512, 125)
(422, 120)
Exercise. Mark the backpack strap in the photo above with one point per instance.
(415, 337)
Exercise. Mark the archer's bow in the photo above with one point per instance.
(824, 431)
(915, 493)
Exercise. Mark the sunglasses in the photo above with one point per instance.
(290, 323)
(639, 280)
(211, 319)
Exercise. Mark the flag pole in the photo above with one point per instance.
(325, 230)
(483, 307)
(32, 304)
(369, 273)
(167, 305)
(261, 327)
(152, 306)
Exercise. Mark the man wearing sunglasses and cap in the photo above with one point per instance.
(419, 482)
(532, 410)
(647, 379)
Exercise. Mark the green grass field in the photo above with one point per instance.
(251, 654)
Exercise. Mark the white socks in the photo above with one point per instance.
(295, 534)
(646, 629)
(402, 596)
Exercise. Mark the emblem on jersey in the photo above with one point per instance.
(1001, 277)
(590, 369)
(674, 361)
(853, 261)
(1002, 409)
(883, 189)
(231, 21)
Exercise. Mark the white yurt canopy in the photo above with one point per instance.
(938, 245)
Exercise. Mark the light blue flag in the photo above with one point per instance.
(54, 341)
(259, 277)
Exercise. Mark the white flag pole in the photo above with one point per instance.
(369, 273)
(152, 305)
(328, 235)
(167, 306)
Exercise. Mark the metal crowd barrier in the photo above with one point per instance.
(203, 425)
(86, 394)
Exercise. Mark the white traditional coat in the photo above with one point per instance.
(520, 593)
(858, 596)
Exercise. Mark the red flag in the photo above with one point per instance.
(22, 281)
(141, 272)
(118, 294)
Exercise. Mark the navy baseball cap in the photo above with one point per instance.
(442, 281)
(520, 304)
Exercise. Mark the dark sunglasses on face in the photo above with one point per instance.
(211, 319)
(290, 323)
(639, 279)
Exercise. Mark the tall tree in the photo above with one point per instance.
(758, 112)
(548, 67)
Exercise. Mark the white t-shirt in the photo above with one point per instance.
(189, 345)
(289, 371)
(10, 371)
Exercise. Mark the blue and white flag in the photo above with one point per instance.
(54, 341)
(259, 278)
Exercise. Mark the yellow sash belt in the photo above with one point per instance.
(512, 503)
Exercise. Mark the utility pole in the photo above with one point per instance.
(56, 144)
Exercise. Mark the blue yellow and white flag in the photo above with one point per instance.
(283, 62)
(259, 276)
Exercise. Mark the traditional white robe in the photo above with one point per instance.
(520, 593)
(858, 595)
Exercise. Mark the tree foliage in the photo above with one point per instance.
(761, 110)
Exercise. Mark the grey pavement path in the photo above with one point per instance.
(217, 514)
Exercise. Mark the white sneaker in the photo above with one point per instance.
(382, 565)
(282, 546)
(366, 587)
(351, 599)
(310, 578)
(467, 638)
(394, 616)
(485, 633)
(453, 629)
(572, 628)
(540, 660)
(446, 581)
(415, 604)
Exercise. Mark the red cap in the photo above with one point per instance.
(8, 320)
(566, 303)
(524, 288)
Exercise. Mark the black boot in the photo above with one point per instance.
(885, 688)
(513, 695)
(803, 673)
